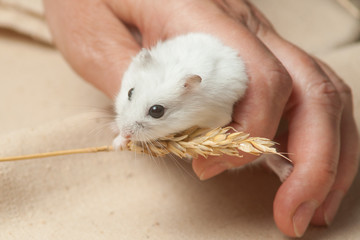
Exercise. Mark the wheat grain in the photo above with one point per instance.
(189, 143)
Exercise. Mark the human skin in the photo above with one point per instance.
(285, 83)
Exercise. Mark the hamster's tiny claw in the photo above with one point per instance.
(120, 143)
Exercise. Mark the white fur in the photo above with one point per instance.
(158, 76)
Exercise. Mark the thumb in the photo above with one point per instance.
(97, 45)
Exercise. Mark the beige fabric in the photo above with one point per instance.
(117, 196)
(316, 26)
(25, 16)
(38, 86)
(44, 106)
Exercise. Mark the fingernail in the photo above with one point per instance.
(213, 170)
(332, 204)
(303, 216)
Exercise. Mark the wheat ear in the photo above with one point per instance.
(189, 143)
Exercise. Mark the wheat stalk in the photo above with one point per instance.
(197, 141)
(189, 143)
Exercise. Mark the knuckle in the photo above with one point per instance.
(327, 173)
(239, 10)
(345, 90)
(325, 93)
(278, 78)
(262, 25)
(246, 13)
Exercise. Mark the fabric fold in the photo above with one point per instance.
(25, 17)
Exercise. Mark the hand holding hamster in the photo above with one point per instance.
(190, 80)
(96, 39)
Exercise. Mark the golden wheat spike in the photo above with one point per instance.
(189, 143)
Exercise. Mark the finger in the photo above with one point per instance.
(314, 132)
(95, 43)
(269, 84)
(349, 154)
(206, 168)
(209, 167)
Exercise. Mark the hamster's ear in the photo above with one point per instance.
(192, 81)
(144, 57)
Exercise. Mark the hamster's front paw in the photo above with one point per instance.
(280, 166)
(120, 143)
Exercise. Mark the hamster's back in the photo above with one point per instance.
(219, 66)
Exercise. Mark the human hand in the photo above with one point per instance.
(285, 82)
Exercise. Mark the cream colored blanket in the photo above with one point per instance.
(25, 16)
(44, 106)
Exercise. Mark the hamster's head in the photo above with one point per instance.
(155, 101)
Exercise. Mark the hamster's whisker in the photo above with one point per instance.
(102, 114)
(96, 131)
(105, 117)
(176, 161)
(145, 143)
(100, 117)
(167, 157)
(108, 110)
(159, 160)
(152, 156)
(135, 152)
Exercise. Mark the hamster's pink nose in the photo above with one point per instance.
(128, 136)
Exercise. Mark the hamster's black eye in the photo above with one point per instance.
(157, 111)
(130, 93)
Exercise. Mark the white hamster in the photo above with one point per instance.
(189, 80)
